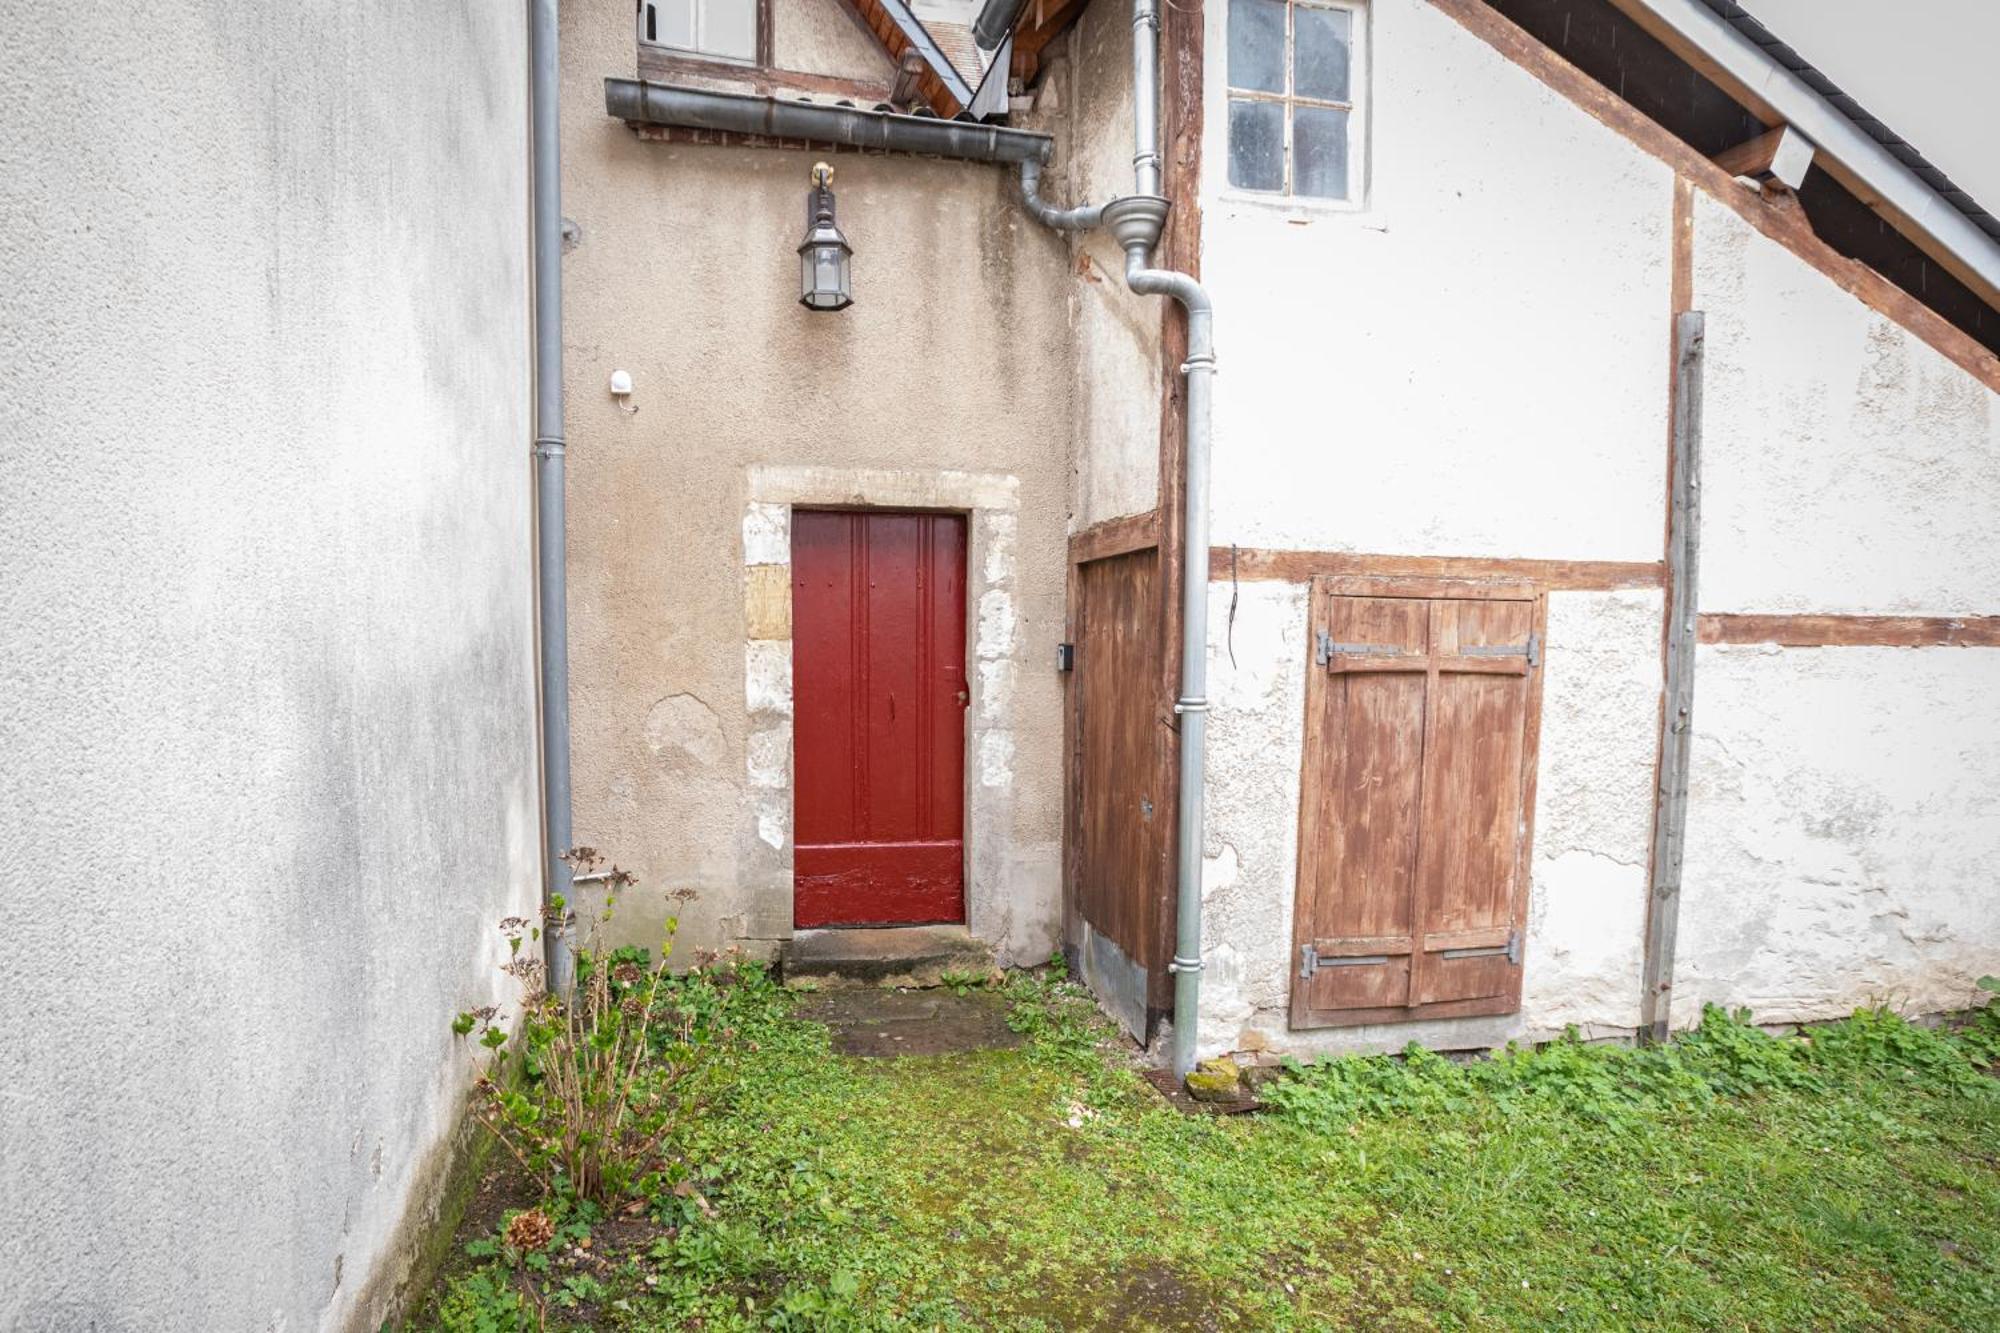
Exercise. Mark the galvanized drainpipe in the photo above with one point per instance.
(550, 535)
(1136, 222)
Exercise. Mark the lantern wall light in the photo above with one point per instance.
(824, 279)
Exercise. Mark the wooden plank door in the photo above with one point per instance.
(1416, 793)
(1118, 871)
(879, 697)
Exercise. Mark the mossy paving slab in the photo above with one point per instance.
(888, 1023)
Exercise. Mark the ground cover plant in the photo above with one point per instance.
(1846, 1178)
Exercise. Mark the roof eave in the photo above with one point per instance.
(1868, 170)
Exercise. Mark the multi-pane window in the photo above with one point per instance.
(721, 29)
(1294, 81)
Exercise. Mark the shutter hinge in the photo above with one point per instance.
(1325, 647)
(1311, 962)
(1511, 950)
(1532, 650)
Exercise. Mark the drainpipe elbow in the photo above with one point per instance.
(1084, 217)
(1192, 296)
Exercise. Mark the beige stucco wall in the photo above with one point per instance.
(955, 358)
(267, 757)
(1117, 367)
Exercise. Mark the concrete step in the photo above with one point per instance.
(887, 956)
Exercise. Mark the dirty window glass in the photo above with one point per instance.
(1294, 79)
(1319, 152)
(1257, 145)
(1257, 45)
(1319, 53)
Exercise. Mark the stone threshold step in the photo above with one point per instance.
(884, 956)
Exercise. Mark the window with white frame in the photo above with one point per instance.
(1295, 81)
(718, 29)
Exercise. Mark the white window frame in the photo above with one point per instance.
(1356, 107)
(694, 50)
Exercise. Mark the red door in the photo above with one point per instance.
(878, 693)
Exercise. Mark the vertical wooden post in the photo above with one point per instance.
(1663, 903)
(1181, 43)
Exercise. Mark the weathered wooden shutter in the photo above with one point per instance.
(1417, 790)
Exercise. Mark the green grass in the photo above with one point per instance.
(1732, 1180)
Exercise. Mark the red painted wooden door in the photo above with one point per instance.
(878, 693)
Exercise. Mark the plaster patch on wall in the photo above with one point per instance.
(685, 733)
(774, 817)
(1843, 808)
(996, 691)
(767, 534)
(996, 624)
(767, 676)
(770, 757)
(998, 565)
(996, 759)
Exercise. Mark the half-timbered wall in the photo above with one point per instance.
(1443, 371)
(1469, 373)
(1844, 811)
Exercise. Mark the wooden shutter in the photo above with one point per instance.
(1421, 716)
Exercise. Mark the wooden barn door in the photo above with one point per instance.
(1118, 828)
(879, 696)
(1421, 719)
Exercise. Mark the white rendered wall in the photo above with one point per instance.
(1593, 825)
(1846, 465)
(267, 740)
(1843, 825)
(1471, 362)
(1844, 816)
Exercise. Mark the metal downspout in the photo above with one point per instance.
(1136, 223)
(551, 537)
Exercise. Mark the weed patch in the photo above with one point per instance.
(1842, 1178)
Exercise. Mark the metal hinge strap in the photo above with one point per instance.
(1511, 950)
(1310, 960)
(1532, 650)
(1326, 647)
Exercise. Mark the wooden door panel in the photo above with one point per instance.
(1118, 866)
(878, 685)
(1412, 874)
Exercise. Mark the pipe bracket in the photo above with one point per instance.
(549, 446)
(1180, 964)
(1191, 705)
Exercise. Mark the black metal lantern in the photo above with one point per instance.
(824, 282)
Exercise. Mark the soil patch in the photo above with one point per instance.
(881, 1023)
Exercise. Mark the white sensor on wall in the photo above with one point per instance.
(621, 383)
